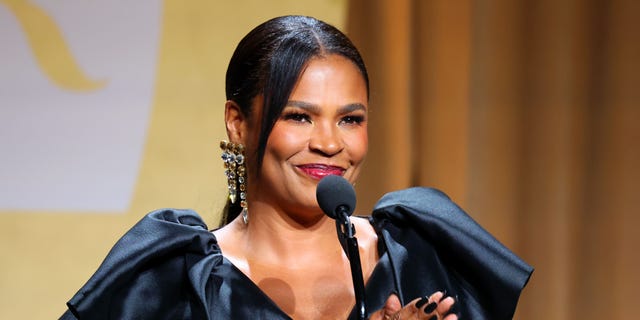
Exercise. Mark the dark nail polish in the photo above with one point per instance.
(430, 307)
(421, 302)
(434, 318)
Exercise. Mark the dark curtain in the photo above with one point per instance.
(527, 113)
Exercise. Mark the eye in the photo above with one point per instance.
(296, 117)
(352, 120)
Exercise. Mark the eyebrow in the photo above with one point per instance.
(314, 108)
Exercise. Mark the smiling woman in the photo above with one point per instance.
(322, 130)
(296, 111)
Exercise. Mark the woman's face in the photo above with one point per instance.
(322, 131)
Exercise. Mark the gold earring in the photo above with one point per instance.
(235, 170)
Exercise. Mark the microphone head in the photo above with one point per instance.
(334, 192)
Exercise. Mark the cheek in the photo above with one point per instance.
(285, 141)
(358, 145)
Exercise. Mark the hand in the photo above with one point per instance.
(434, 307)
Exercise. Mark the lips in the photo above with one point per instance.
(319, 171)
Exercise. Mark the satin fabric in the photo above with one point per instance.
(169, 266)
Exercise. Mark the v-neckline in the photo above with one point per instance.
(378, 266)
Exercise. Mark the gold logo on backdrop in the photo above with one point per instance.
(50, 48)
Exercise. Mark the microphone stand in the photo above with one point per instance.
(346, 235)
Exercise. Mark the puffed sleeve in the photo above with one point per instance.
(146, 273)
(485, 275)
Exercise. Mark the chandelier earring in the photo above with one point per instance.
(235, 170)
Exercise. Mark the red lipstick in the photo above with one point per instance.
(319, 171)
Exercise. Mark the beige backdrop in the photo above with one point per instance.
(46, 256)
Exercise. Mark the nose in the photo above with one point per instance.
(326, 139)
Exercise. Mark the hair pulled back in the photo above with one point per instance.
(269, 60)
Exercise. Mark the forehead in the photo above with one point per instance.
(331, 76)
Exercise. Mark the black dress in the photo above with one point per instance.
(169, 266)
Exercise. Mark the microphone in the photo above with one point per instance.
(337, 199)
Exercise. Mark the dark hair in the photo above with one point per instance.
(269, 61)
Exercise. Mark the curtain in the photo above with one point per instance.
(527, 113)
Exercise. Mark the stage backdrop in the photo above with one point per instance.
(76, 93)
(109, 109)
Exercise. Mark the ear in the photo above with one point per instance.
(236, 123)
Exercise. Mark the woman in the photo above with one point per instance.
(297, 92)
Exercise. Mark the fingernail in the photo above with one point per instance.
(421, 302)
(430, 307)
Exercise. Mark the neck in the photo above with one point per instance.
(273, 236)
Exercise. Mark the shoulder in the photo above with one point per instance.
(166, 230)
(416, 197)
(486, 275)
(177, 216)
(156, 254)
(418, 206)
